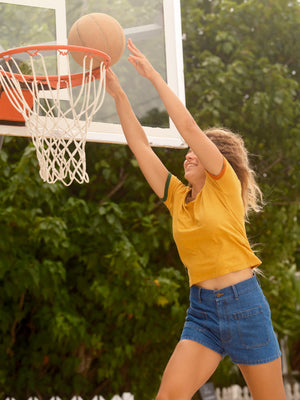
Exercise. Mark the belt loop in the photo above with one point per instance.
(236, 295)
(199, 294)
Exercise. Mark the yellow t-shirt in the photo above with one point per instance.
(210, 231)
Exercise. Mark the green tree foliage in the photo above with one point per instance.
(87, 293)
(93, 293)
(14, 31)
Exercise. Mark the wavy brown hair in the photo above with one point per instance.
(232, 146)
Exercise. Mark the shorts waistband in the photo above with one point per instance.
(233, 291)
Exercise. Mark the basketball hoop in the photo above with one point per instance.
(57, 108)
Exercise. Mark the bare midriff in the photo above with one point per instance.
(229, 279)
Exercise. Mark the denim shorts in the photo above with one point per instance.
(234, 321)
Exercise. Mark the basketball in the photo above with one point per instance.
(98, 31)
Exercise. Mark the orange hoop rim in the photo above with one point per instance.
(76, 79)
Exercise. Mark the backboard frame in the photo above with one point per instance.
(104, 132)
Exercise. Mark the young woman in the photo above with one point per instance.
(228, 312)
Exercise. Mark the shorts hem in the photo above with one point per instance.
(267, 360)
(203, 344)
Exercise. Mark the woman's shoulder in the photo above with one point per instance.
(175, 188)
(226, 180)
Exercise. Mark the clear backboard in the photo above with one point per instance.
(155, 28)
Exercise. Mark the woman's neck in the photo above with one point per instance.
(195, 189)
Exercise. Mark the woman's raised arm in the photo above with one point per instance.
(206, 151)
(151, 166)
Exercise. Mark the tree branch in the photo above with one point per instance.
(84, 7)
(13, 328)
(117, 187)
(278, 159)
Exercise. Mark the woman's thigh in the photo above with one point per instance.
(264, 380)
(189, 367)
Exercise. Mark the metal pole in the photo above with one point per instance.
(1, 141)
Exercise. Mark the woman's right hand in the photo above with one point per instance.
(113, 86)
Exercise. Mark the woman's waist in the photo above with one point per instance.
(229, 279)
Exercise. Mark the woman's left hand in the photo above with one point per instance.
(139, 61)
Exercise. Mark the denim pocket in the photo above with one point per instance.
(198, 314)
(197, 317)
(252, 327)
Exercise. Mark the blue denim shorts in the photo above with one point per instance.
(234, 321)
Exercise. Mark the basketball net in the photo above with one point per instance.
(60, 116)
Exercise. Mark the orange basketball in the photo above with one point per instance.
(98, 31)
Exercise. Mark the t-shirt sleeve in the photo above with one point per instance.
(167, 187)
(172, 187)
(227, 181)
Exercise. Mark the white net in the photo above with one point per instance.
(61, 113)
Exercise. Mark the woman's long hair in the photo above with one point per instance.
(232, 146)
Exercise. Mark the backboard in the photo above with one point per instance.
(154, 26)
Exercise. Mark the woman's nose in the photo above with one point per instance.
(190, 155)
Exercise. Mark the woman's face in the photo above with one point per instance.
(193, 169)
